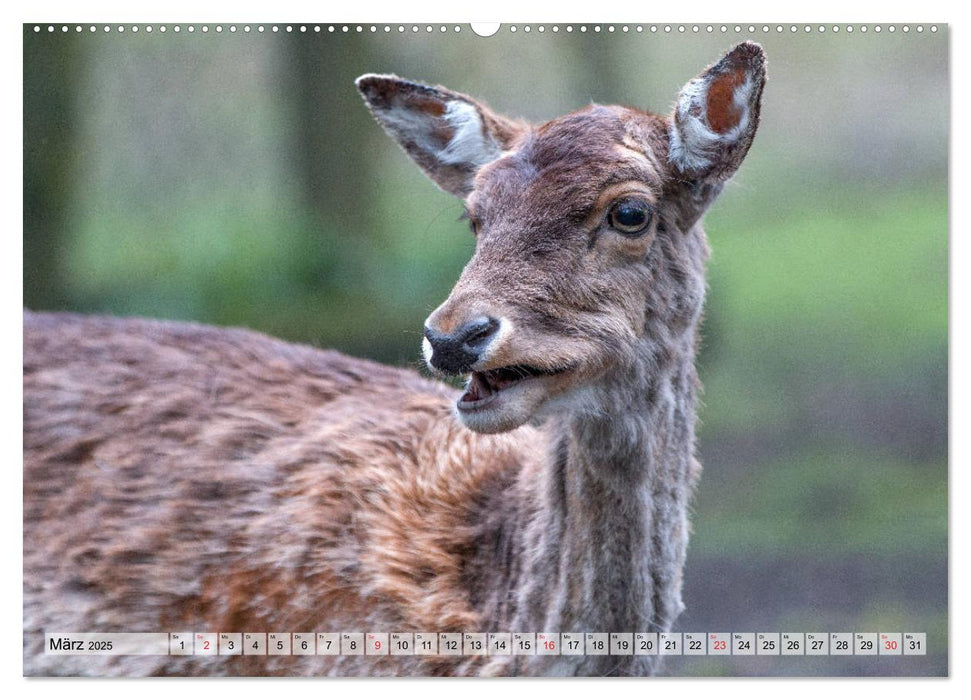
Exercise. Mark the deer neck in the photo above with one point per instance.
(604, 542)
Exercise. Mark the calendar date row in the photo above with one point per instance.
(490, 643)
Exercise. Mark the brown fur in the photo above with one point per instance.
(232, 500)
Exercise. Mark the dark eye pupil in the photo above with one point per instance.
(629, 216)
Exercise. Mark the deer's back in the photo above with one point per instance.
(179, 477)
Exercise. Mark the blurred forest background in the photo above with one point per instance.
(237, 179)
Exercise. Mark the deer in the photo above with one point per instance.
(185, 477)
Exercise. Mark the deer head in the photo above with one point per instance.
(585, 226)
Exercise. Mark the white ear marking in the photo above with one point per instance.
(469, 143)
(692, 143)
(411, 124)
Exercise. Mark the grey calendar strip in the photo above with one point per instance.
(488, 644)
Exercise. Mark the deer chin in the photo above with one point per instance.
(504, 398)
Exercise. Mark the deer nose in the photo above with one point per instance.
(455, 353)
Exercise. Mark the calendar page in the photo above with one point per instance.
(546, 349)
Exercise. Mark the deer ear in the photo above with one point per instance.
(448, 134)
(717, 115)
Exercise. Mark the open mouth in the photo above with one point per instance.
(484, 387)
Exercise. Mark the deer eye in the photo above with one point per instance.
(629, 216)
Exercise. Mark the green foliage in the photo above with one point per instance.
(831, 503)
(854, 290)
